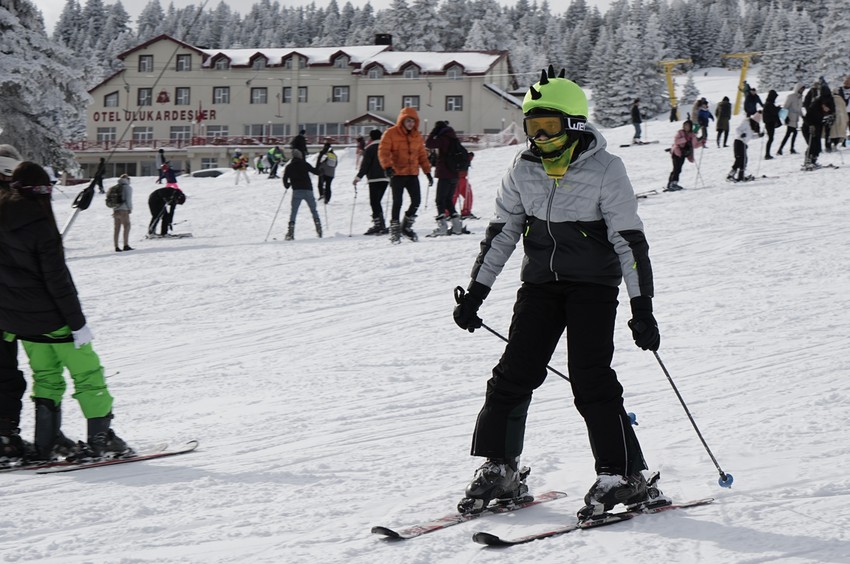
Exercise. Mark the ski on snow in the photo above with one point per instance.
(458, 518)
(58, 466)
(640, 143)
(489, 539)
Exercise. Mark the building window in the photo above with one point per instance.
(259, 95)
(340, 94)
(410, 102)
(142, 134)
(217, 131)
(302, 94)
(209, 162)
(375, 72)
(287, 94)
(221, 95)
(294, 60)
(222, 64)
(110, 100)
(182, 96)
(145, 97)
(145, 63)
(375, 103)
(180, 133)
(259, 63)
(411, 72)
(454, 73)
(454, 103)
(184, 63)
(105, 134)
(341, 62)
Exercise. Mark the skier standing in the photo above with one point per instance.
(574, 207)
(441, 138)
(771, 121)
(296, 175)
(794, 105)
(402, 153)
(684, 145)
(370, 167)
(636, 121)
(39, 305)
(724, 116)
(239, 163)
(746, 131)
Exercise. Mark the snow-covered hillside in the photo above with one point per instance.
(331, 391)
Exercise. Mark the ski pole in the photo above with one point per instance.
(726, 479)
(275, 215)
(353, 205)
(699, 163)
(327, 225)
(459, 293)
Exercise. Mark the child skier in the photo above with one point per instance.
(748, 130)
(574, 207)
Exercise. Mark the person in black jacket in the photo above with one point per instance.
(39, 305)
(162, 202)
(98, 175)
(297, 176)
(770, 114)
(441, 139)
(370, 167)
(12, 382)
(819, 106)
(636, 121)
(299, 143)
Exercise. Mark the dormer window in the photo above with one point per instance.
(222, 63)
(289, 63)
(411, 72)
(375, 72)
(341, 62)
(454, 72)
(259, 63)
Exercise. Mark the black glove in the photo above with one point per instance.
(430, 179)
(389, 172)
(466, 310)
(643, 325)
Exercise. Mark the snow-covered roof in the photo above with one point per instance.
(357, 54)
(504, 94)
(473, 62)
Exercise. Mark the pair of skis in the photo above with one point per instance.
(60, 466)
(490, 539)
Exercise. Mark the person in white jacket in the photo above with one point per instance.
(747, 130)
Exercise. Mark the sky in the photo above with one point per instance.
(51, 9)
(331, 391)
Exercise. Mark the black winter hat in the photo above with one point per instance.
(375, 134)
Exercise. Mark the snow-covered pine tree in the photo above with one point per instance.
(835, 44)
(690, 94)
(428, 38)
(36, 107)
(151, 21)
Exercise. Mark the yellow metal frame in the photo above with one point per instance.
(668, 74)
(745, 64)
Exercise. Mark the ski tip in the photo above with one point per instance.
(488, 539)
(389, 533)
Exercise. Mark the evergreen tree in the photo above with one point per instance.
(690, 93)
(35, 106)
(362, 30)
(150, 23)
(69, 23)
(458, 23)
(94, 16)
(833, 60)
(428, 38)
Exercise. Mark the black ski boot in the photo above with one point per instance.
(378, 227)
(395, 232)
(498, 479)
(318, 227)
(50, 443)
(290, 233)
(407, 228)
(634, 491)
(103, 441)
(12, 448)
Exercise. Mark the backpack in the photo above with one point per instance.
(330, 160)
(115, 196)
(457, 157)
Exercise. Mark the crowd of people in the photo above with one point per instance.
(820, 114)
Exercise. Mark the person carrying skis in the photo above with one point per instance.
(573, 205)
(370, 167)
(39, 306)
(684, 145)
(747, 130)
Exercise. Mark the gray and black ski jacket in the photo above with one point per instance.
(583, 228)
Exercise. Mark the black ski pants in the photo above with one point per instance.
(399, 184)
(12, 382)
(160, 212)
(789, 132)
(541, 314)
(445, 194)
(724, 133)
(678, 161)
(376, 195)
(812, 135)
(740, 150)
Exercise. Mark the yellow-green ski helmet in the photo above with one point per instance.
(556, 93)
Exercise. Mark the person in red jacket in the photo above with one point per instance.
(402, 153)
(441, 138)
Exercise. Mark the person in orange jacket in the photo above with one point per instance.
(402, 153)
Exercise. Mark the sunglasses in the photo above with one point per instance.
(553, 125)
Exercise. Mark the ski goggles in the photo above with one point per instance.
(553, 124)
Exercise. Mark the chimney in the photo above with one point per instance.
(384, 39)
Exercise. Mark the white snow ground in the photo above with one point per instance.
(331, 390)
